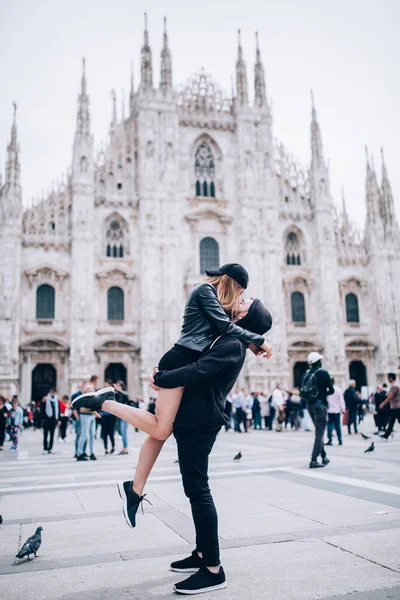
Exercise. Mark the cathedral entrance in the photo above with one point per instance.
(115, 372)
(44, 377)
(298, 371)
(358, 371)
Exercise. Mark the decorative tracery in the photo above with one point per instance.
(204, 167)
(293, 249)
(115, 239)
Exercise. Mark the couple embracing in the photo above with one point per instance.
(193, 380)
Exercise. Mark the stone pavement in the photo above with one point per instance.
(287, 533)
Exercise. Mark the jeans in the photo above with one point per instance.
(123, 432)
(240, 417)
(88, 425)
(77, 426)
(257, 420)
(271, 418)
(194, 448)
(352, 420)
(318, 413)
(394, 414)
(334, 422)
(49, 425)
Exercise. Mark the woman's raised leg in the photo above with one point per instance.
(148, 455)
(158, 426)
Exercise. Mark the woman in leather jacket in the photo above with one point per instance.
(208, 312)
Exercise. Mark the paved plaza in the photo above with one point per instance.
(287, 533)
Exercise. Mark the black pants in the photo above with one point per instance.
(228, 413)
(352, 420)
(394, 414)
(318, 413)
(194, 448)
(49, 425)
(63, 427)
(108, 429)
(2, 430)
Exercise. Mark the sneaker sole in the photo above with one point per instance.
(190, 570)
(210, 588)
(92, 395)
(122, 495)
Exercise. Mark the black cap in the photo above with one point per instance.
(234, 270)
(258, 319)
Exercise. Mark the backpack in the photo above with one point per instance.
(309, 387)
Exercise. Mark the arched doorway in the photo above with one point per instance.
(44, 377)
(358, 371)
(298, 371)
(115, 372)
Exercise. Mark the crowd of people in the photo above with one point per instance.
(57, 420)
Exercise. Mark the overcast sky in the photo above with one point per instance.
(346, 50)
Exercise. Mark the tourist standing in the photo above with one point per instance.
(16, 422)
(87, 425)
(122, 397)
(65, 413)
(381, 416)
(278, 402)
(336, 408)
(351, 400)
(394, 399)
(256, 411)
(315, 388)
(238, 399)
(3, 421)
(265, 408)
(50, 417)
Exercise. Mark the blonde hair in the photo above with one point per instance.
(228, 292)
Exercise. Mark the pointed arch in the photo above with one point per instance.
(294, 246)
(116, 236)
(207, 160)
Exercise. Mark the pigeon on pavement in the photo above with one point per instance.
(366, 437)
(31, 545)
(238, 456)
(370, 449)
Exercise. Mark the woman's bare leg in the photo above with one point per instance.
(148, 455)
(158, 426)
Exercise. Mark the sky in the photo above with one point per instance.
(347, 51)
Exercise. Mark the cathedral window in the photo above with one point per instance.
(209, 254)
(52, 227)
(84, 164)
(293, 249)
(204, 168)
(115, 304)
(119, 186)
(115, 240)
(298, 308)
(352, 311)
(45, 302)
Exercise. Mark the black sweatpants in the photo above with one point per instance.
(194, 448)
(108, 429)
(318, 413)
(394, 414)
(49, 425)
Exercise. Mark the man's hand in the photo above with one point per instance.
(266, 350)
(152, 384)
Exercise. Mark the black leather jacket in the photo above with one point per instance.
(205, 319)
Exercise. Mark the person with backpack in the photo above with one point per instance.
(315, 387)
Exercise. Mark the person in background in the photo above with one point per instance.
(256, 411)
(16, 422)
(3, 421)
(380, 416)
(237, 402)
(65, 413)
(289, 411)
(272, 413)
(122, 426)
(108, 430)
(394, 399)
(316, 386)
(296, 408)
(278, 403)
(37, 419)
(336, 408)
(265, 408)
(75, 418)
(87, 420)
(351, 400)
(152, 406)
(248, 410)
(50, 417)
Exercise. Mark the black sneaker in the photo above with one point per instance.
(82, 457)
(202, 581)
(92, 457)
(191, 564)
(314, 464)
(130, 502)
(93, 400)
(325, 461)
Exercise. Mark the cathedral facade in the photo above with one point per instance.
(93, 276)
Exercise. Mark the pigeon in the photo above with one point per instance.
(366, 437)
(370, 449)
(31, 545)
(238, 456)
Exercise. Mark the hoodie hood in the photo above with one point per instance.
(258, 319)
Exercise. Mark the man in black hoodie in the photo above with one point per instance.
(198, 421)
